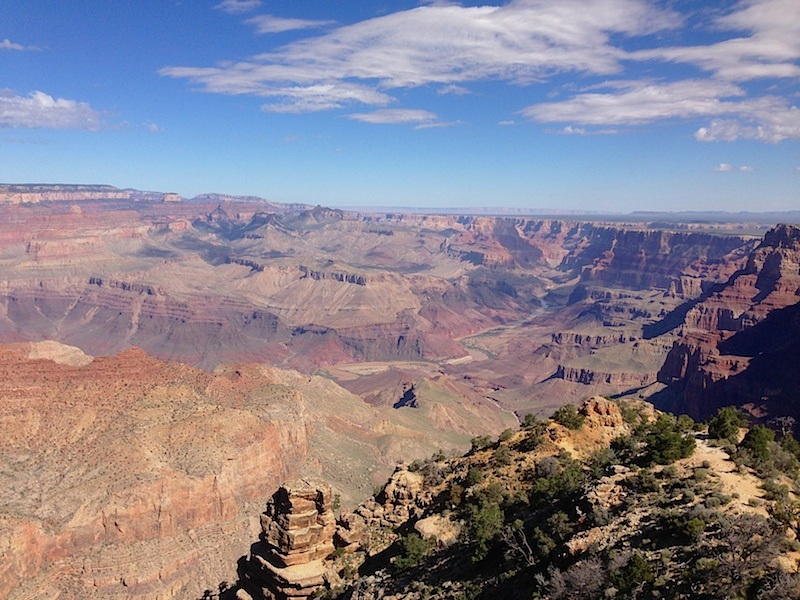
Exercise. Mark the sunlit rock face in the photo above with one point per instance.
(739, 345)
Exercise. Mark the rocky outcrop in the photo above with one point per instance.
(319, 274)
(601, 412)
(402, 498)
(296, 536)
(649, 259)
(593, 377)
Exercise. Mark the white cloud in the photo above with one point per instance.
(746, 169)
(153, 128)
(444, 44)
(634, 103)
(41, 111)
(237, 7)
(453, 90)
(447, 46)
(770, 51)
(723, 168)
(402, 116)
(270, 24)
(507, 123)
(7, 44)
(322, 96)
(767, 118)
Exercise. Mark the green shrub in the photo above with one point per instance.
(530, 421)
(634, 573)
(474, 476)
(501, 457)
(644, 482)
(631, 415)
(757, 442)
(506, 435)
(791, 445)
(557, 479)
(774, 490)
(725, 425)
(480, 442)
(413, 550)
(569, 417)
(484, 525)
(666, 443)
(456, 494)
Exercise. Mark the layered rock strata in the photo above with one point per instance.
(710, 364)
(296, 537)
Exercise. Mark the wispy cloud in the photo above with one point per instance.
(7, 44)
(153, 127)
(727, 168)
(395, 116)
(634, 103)
(270, 24)
(238, 7)
(322, 96)
(771, 49)
(448, 45)
(39, 110)
(452, 89)
(767, 118)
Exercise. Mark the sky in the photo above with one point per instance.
(581, 105)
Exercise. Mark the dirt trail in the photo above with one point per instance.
(746, 485)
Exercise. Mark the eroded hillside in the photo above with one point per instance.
(520, 310)
(125, 476)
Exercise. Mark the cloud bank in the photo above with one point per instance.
(526, 43)
(41, 111)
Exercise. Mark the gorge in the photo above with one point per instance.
(167, 365)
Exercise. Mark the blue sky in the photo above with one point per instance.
(605, 105)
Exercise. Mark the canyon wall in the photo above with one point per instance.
(738, 333)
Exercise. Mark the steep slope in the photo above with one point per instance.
(614, 500)
(738, 345)
(128, 477)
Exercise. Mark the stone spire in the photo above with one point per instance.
(296, 536)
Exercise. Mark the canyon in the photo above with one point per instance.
(167, 364)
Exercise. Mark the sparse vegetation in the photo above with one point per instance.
(725, 425)
(662, 528)
(569, 417)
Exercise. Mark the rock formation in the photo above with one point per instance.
(296, 536)
(401, 499)
(723, 336)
